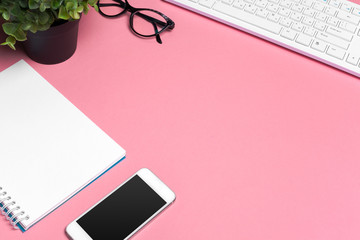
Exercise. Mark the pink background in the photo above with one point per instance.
(257, 142)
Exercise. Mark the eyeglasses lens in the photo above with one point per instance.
(111, 7)
(148, 23)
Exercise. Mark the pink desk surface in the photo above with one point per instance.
(258, 142)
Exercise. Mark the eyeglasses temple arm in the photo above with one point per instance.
(151, 19)
(158, 39)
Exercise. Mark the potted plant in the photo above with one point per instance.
(47, 28)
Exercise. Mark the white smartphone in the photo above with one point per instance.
(124, 211)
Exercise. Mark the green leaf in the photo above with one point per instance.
(11, 39)
(51, 19)
(47, 3)
(86, 7)
(63, 14)
(33, 4)
(20, 35)
(44, 18)
(74, 14)
(23, 3)
(26, 26)
(42, 7)
(30, 16)
(43, 27)
(55, 4)
(10, 28)
(70, 6)
(12, 46)
(16, 11)
(14, 29)
(33, 28)
(80, 9)
(6, 15)
(92, 2)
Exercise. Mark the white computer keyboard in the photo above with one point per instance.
(326, 30)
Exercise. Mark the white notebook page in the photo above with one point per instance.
(49, 150)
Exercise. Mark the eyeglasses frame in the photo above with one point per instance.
(170, 24)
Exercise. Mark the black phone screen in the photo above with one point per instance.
(122, 212)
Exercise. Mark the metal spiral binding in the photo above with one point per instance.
(10, 210)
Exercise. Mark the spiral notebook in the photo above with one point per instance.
(49, 150)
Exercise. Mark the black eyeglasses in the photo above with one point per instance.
(144, 22)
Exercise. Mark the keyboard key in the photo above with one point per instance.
(261, 3)
(228, 2)
(339, 33)
(353, 59)
(303, 39)
(288, 33)
(297, 7)
(349, 17)
(239, 4)
(247, 17)
(285, 3)
(318, 6)
(332, 21)
(296, 16)
(319, 45)
(309, 12)
(320, 26)
(321, 16)
(330, 11)
(207, 3)
(356, 12)
(334, 3)
(297, 26)
(250, 8)
(336, 52)
(284, 12)
(332, 39)
(346, 7)
(324, 1)
(274, 17)
(347, 26)
(262, 13)
(286, 22)
(272, 7)
(307, 3)
(309, 31)
(308, 21)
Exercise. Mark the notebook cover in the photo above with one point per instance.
(53, 149)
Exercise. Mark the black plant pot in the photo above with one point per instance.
(54, 45)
